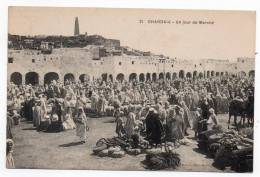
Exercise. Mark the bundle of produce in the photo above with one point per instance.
(242, 160)
(154, 151)
(117, 154)
(105, 143)
(247, 132)
(103, 153)
(111, 150)
(100, 146)
(213, 148)
(233, 146)
(118, 141)
(207, 137)
(135, 151)
(162, 161)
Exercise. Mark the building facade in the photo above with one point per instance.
(78, 64)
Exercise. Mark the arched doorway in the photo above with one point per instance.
(154, 77)
(148, 76)
(181, 74)
(188, 75)
(200, 75)
(195, 74)
(174, 76)
(251, 73)
(32, 78)
(141, 77)
(212, 73)
(161, 76)
(242, 74)
(84, 78)
(120, 77)
(226, 73)
(217, 74)
(168, 76)
(132, 77)
(49, 77)
(16, 78)
(221, 73)
(208, 73)
(69, 77)
(110, 77)
(104, 77)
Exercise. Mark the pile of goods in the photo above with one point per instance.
(111, 147)
(162, 160)
(134, 146)
(230, 149)
(156, 158)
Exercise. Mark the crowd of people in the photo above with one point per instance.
(156, 110)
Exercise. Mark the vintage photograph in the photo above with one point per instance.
(130, 89)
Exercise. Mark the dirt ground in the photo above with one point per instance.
(63, 151)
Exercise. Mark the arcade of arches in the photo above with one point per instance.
(33, 78)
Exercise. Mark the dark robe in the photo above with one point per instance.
(154, 129)
(29, 110)
(175, 128)
(9, 125)
(173, 99)
(56, 126)
(26, 109)
(250, 106)
(205, 110)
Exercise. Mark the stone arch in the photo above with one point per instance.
(49, 77)
(69, 77)
(148, 76)
(251, 73)
(188, 75)
(161, 76)
(195, 74)
(154, 77)
(84, 78)
(200, 75)
(120, 77)
(181, 74)
(208, 73)
(132, 76)
(168, 76)
(16, 78)
(226, 73)
(32, 78)
(141, 77)
(174, 75)
(242, 74)
(110, 77)
(212, 73)
(104, 77)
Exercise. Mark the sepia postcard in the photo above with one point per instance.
(130, 89)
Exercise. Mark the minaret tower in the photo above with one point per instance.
(76, 28)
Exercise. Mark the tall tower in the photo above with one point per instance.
(76, 28)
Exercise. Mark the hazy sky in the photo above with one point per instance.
(232, 34)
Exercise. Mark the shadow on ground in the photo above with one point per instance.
(71, 144)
